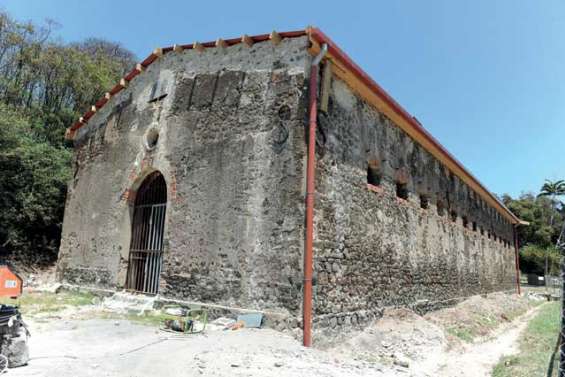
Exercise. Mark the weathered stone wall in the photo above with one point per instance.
(374, 249)
(231, 149)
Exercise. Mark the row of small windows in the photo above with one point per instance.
(374, 178)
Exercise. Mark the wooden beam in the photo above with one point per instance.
(158, 52)
(70, 134)
(123, 83)
(81, 120)
(198, 46)
(275, 38)
(221, 43)
(139, 68)
(107, 95)
(177, 48)
(93, 108)
(246, 40)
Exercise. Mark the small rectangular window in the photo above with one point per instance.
(465, 222)
(474, 226)
(424, 202)
(158, 91)
(373, 176)
(402, 190)
(440, 208)
(453, 216)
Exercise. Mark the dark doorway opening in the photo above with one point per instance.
(147, 233)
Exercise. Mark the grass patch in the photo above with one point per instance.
(149, 318)
(152, 318)
(536, 345)
(37, 303)
(462, 333)
(31, 303)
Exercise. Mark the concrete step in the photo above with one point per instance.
(129, 302)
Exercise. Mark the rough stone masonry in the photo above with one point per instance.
(226, 127)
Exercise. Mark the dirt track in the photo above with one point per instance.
(478, 359)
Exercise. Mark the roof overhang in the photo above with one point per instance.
(345, 69)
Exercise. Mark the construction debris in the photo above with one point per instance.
(13, 336)
(252, 320)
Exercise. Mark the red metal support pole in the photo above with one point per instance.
(310, 192)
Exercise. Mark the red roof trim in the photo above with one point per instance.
(152, 57)
(334, 50)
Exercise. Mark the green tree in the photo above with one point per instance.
(539, 237)
(44, 86)
(537, 211)
(552, 190)
(33, 179)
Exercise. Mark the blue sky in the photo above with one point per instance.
(486, 78)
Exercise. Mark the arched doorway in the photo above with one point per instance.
(147, 232)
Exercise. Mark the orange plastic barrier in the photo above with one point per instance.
(11, 285)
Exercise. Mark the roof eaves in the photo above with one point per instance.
(320, 38)
(71, 131)
(316, 35)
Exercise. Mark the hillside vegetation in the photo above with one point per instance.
(44, 85)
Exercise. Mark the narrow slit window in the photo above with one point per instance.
(440, 208)
(402, 190)
(424, 202)
(373, 175)
(474, 226)
(453, 216)
(465, 222)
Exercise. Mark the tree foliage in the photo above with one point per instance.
(546, 216)
(532, 259)
(44, 86)
(552, 189)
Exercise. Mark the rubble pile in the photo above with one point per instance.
(13, 336)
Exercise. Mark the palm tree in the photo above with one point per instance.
(552, 190)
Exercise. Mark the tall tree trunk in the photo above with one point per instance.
(561, 248)
(547, 250)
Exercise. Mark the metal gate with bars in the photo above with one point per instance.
(146, 250)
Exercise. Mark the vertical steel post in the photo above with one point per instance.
(310, 192)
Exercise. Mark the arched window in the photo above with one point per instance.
(147, 233)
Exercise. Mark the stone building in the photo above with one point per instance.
(190, 182)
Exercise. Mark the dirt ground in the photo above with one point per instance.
(99, 347)
(466, 340)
